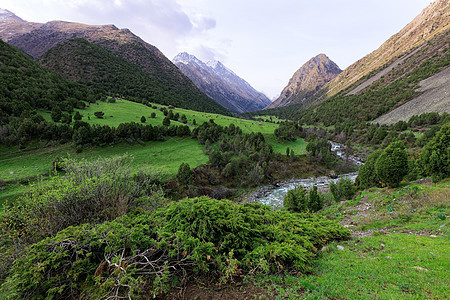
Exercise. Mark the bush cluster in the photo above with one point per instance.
(153, 250)
(297, 200)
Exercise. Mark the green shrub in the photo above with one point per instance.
(297, 200)
(435, 156)
(392, 165)
(184, 173)
(343, 190)
(91, 191)
(367, 175)
(192, 237)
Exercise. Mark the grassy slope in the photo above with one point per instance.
(124, 111)
(399, 250)
(166, 155)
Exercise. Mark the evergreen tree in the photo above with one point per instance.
(143, 119)
(315, 199)
(184, 174)
(435, 156)
(56, 114)
(296, 200)
(77, 116)
(392, 165)
(367, 175)
(166, 121)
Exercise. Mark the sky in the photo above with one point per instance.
(262, 41)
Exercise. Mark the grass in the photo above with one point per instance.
(29, 164)
(299, 145)
(396, 266)
(406, 257)
(124, 111)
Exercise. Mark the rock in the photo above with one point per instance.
(340, 247)
(12, 172)
(420, 268)
(382, 245)
(388, 256)
(432, 235)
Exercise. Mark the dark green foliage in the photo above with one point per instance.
(147, 79)
(315, 200)
(56, 114)
(343, 190)
(77, 116)
(26, 85)
(287, 131)
(143, 119)
(184, 174)
(99, 114)
(392, 165)
(296, 200)
(153, 115)
(320, 150)
(435, 156)
(192, 237)
(367, 175)
(216, 158)
(166, 121)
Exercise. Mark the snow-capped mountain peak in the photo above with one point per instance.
(6, 14)
(221, 84)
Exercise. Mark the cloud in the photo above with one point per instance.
(163, 23)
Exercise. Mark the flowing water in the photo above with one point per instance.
(274, 195)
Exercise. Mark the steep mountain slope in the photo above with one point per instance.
(221, 84)
(405, 68)
(432, 21)
(174, 87)
(88, 63)
(307, 80)
(27, 86)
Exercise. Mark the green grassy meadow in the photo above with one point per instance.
(394, 266)
(21, 165)
(165, 155)
(400, 250)
(124, 111)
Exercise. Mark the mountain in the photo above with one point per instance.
(431, 22)
(221, 84)
(26, 86)
(307, 80)
(407, 75)
(170, 86)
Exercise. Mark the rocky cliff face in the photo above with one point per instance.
(307, 80)
(36, 38)
(221, 84)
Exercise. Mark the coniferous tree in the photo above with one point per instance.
(392, 165)
(435, 156)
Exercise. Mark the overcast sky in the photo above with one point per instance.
(263, 41)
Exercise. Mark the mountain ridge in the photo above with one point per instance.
(221, 84)
(37, 38)
(308, 79)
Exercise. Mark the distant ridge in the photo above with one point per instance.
(170, 86)
(221, 84)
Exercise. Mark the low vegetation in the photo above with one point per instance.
(143, 250)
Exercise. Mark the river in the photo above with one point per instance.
(273, 195)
